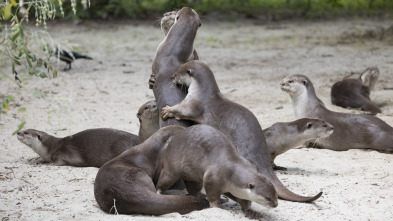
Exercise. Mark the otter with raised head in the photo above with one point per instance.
(167, 22)
(125, 184)
(204, 157)
(205, 104)
(175, 49)
(93, 147)
(283, 136)
(351, 131)
(355, 93)
(148, 119)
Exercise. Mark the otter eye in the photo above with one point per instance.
(304, 82)
(309, 125)
(189, 71)
(324, 125)
(146, 107)
(251, 186)
(268, 199)
(25, 133)
(290, 81)
(154, 106)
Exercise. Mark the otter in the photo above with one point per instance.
(92, 147)
(351, 131)
(125, 184)
(148, 116)
(205, 104)
(175, 49)
(283, 136)
(355, 93)
(204, 157)
(167, 22)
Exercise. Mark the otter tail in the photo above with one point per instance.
(162, 204)
(285, 194)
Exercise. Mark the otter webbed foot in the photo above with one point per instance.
(166, 113)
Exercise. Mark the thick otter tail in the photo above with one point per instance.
(286, 194)
(128, 190)
(163, 204)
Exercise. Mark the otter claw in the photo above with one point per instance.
(152, 80)
(165, 113)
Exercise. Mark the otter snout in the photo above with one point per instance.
(328, 126)
(170, 13)
(272, 203)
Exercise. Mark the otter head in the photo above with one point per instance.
(148, 116)
(259, 190)
(369, 77)
(148, 111)
(186, 11)
(167, 21)
(251, 185)
(315, 128)
(36, 141)
(183, 75)
(295, 85)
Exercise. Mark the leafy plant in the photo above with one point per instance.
(28, 50)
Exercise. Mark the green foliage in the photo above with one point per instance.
(297, 8)
(28, 51)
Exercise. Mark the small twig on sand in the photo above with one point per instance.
(114, 207)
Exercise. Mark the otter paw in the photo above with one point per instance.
(152, 80)
(165, 113)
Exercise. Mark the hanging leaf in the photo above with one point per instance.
(55, 73)
(20, 126)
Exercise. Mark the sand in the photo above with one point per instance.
(249, 60)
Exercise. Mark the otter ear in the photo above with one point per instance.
(189, 71)
(305, 82)
(177, 18)
(309, 125)
(251, 186)
(39, 137)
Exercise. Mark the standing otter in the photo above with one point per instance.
(355, 93)
(281, 137)
(351, 131)
(175, 49)
(167, 22)
(205, 104)
(92, 147)
(204, 157)
(125, 184)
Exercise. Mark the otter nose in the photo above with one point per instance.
(273, 203)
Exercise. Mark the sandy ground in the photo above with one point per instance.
(249, 60)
